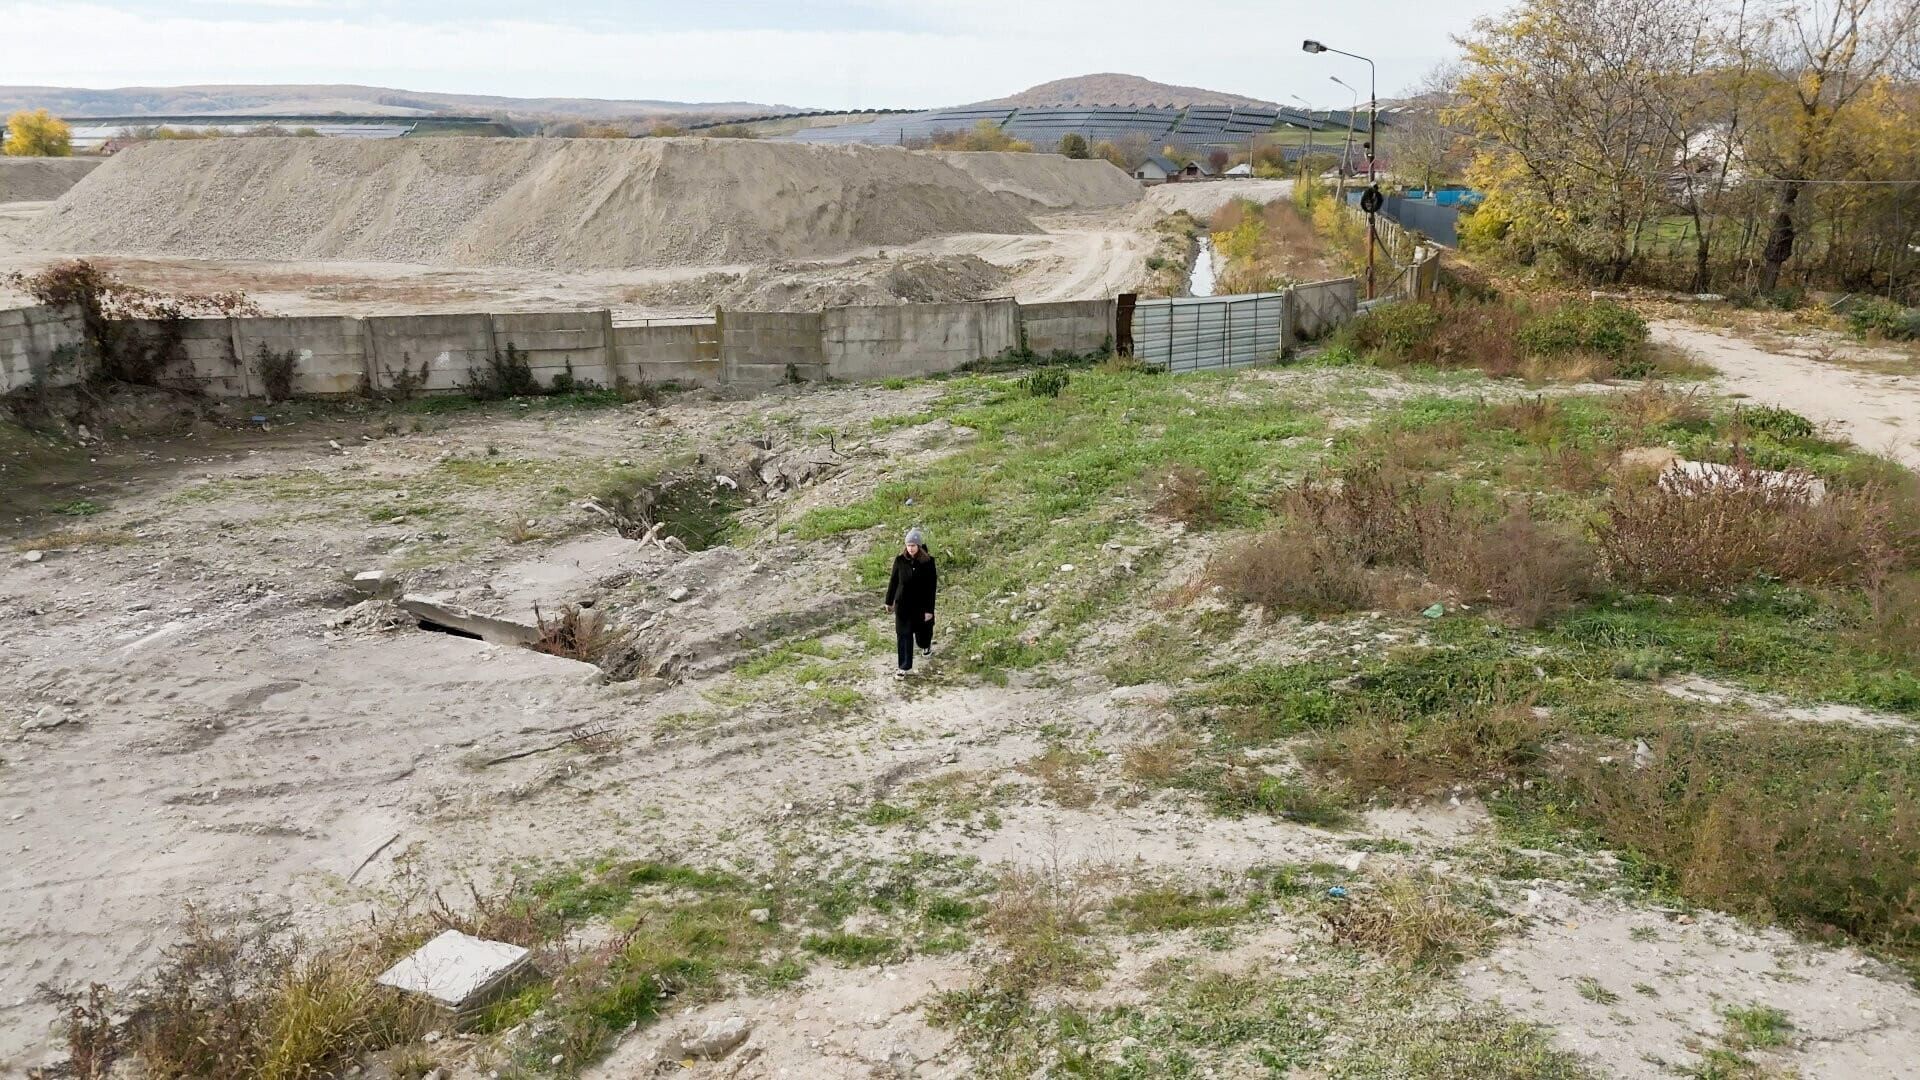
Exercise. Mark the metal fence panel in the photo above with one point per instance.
(1200, 333)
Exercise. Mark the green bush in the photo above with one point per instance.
(1397, 329)
(1048, 382)
(1599, 327)
(504, 375)
(1777, 422)
(1884, 318)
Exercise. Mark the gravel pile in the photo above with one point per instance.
(1038, 183)
(565, 204)
(24, 179)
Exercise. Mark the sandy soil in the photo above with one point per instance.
(1877, 411)
(221, 719)
(1081, 255)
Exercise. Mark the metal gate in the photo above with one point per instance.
(1200, 333)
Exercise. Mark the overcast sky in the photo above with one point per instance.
(814, 53)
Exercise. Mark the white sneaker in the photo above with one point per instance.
(900, 673)
(928, 651)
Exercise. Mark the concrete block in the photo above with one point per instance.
(461, 973)
(470, 623)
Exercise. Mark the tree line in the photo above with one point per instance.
(1731, 145)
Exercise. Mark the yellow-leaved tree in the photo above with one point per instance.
(1570, 103)
(37, 134)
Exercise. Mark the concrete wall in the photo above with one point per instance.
(915, 339)
(686, 354)
(330, 354)
(29, 338)
(745, 349)
(555, 341)
(758, 347)
(1315, 309)
(1075, 326)
(446, 346)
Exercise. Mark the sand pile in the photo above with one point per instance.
(565, 204)
(1035, 183)
(813, 286)
(40, 179)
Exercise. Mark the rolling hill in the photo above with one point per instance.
(349, 99)
(1113, 88)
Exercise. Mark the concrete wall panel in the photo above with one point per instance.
(1074, 326)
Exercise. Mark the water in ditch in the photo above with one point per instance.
(1201, 281)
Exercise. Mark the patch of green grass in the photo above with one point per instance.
(1593, 990)
(1473, 1043)
(1769, 639)
(79, 508)
(1157, 653)
(882, 815)
(1761, 1027)
(850, 948)
(992, 510)
(1168, 908)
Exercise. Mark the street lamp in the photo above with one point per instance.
(1311, 127)
(1370, 202)
(1353, 118)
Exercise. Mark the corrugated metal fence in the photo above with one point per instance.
(1199, 333)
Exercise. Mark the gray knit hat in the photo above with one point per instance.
(916, 537)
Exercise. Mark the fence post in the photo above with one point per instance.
(233, 344)
(606, 345)
(370, 353)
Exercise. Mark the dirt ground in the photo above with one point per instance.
(199, 710)
(1878, 410)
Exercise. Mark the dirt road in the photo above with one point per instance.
(1876, 412)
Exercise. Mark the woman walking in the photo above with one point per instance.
(910, 596)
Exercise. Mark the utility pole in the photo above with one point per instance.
(1310, 128)
(1371, 200)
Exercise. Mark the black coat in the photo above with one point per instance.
(913, 585)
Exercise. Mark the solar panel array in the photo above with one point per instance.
(1045, 127)
(1193, 127)
(909, 127)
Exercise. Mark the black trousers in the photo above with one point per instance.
(910, 629)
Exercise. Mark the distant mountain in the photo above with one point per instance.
(362, 100)
(1112, 88)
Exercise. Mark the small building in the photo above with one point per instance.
(1195, 170)
(1156, 170)
(1240, 171)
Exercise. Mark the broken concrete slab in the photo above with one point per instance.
(33, 556)
(488, 628)
(373, 582)
(1685, 475)
(461, 973)
(712, 1041)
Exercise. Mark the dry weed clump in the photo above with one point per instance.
(1651, 405)
(1772, 820)
(1529, 569)
(1187, 494)
(1412, 758)
(1351, 540)
(1704, 533)
(1040, 921)
(588, 635)
(1414, 920)
(242, 1004)
(1892, 625)
(1158, 763)
(1293, 568)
